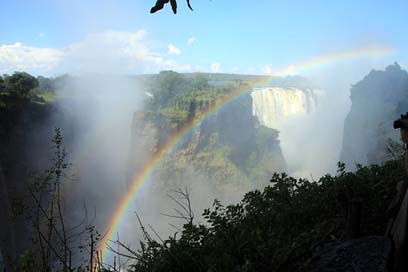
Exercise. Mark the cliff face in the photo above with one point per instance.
(7, 235)
(229, 148)
(24, 144)
(26, 133)
(237, 145)
(377, 100)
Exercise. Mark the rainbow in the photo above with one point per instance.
(143, 175)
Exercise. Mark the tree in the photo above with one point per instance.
(56, 241)
(200, 81)
(166, 85)
(21, 83)
(160, 4)
(2, 87)
(45, 84)
(276, 229)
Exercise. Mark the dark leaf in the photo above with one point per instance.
(174, 6)
(189, 5)
(159, 5)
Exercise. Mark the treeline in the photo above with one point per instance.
(19, 83)
(23, 86)
(176, 97)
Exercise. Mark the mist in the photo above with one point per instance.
(101, 107)
(99, 111)
(312, 143)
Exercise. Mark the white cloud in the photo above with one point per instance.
(216, 68)
(191, 40)
(105, 52)
(21, 57)
(173, 50)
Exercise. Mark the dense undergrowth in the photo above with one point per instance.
(275, 229)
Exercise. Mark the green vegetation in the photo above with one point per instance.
(260, 160)
(173, 115)
(274, 229)
(22, 87)
(231, 149)
(176, 97)
(19, 84)
(55, 241)
(44, 97)
(2, 86)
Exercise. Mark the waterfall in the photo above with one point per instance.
(273, 105)
(295, 113)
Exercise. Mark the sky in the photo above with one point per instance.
(51, 37)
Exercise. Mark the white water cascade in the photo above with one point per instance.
(274, 105)
(307, 128)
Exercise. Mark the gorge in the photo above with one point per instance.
(109, 134)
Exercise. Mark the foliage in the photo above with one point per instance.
(21, 89)
(20, 83)
(45, 92)
(274, 229)
(27, 261)
(177, 97)
(56, 240)
(173, 114)
(46, 84)
(2, 86)
(165, 85)
(160, 4)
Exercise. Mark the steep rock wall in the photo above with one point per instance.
(377, 100)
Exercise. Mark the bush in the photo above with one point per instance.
(274, 229)
(20, 83)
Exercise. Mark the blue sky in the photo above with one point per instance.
(50, 36)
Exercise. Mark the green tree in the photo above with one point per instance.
(20, 83)
(274, 229)
(2, 87)
(199, 81)
(45, 84)
(166, 85)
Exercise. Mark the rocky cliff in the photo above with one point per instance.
(229, 150)
(236, 148)
(377, 100)
(25, 138)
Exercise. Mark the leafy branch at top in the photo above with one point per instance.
(160, 4)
